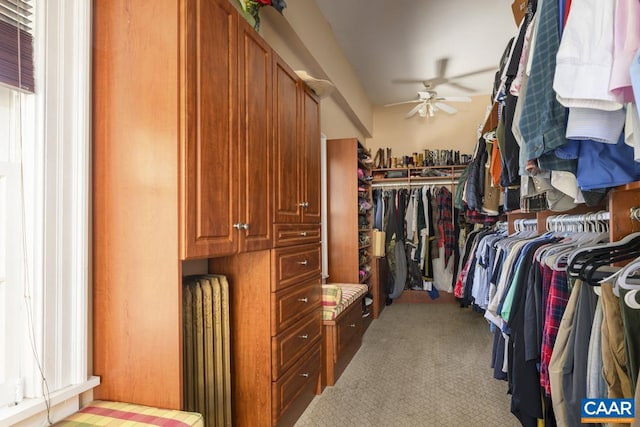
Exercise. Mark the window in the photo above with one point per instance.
(10, 244)
(44, 216)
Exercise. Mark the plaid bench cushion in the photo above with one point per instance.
(336, 297)
(103, 413)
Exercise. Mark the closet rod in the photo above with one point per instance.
(410, 184)
(580, 220)
(568, 219)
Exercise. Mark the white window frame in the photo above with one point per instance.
(57, 178)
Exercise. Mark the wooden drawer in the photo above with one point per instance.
(287, 347)
(349, 326)
(293, 303)
(300, 379)
(293, 264)
(295, 234)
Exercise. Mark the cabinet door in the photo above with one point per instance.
(310, 158)
(256, 136)
(286, 163)
(209, 188)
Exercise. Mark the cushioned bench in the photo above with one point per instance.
(103, 413)
(342, 327)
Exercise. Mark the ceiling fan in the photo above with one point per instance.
(428, 103)
(442, 78)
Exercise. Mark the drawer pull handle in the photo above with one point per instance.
(305, 262)
(304, 336)
(303, 234)
(306, 375)
(352, 325)
(303, 299)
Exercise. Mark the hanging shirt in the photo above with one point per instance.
(542, 120)
(585, 57)
(626, 42)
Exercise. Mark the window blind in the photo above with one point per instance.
(16, 44)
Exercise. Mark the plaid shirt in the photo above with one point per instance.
(445, 223)
(475, 217)
(555, 305)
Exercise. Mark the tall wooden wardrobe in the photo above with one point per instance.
(206, 145)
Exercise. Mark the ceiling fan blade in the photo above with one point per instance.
(446, 108)
(454, 98)
(473, 73)
(414, 110)
(441, 67)
(461, 87)
(403, 102)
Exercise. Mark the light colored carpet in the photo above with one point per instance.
(419, 365)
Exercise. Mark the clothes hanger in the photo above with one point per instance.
(624, 281)
(586, 262)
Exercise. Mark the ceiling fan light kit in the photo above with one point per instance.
(428, 103)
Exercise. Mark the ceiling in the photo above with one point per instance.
(388, 41)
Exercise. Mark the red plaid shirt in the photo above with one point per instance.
(445, 223)
(555, 304)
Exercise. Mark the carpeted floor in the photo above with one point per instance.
(419, 365)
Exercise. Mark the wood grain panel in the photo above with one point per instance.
(136, 273)
(311, 157)
(342, 205)
(210, 152)
(249, 289)
(289, 346)
(291, 265)
(295, 234)
(294, 303)
(256, 137)
(302, 377)
(286, 164)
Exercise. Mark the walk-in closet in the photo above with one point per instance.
(320, 213)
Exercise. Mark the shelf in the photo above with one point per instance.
(364, 230)
(361, 247)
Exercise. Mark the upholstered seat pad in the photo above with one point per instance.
(336, 297)
(103, 413)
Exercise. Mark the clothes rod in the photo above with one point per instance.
(580, 222)
(573, 219)
(410, 184)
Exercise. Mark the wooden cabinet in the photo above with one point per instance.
(228, 129)
(350, 211)
(296, 149)
(209, 126)
(184, 119)
(310, 158)
(276, 325)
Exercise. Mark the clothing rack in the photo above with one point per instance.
(525, 224)
(593, 221)
(412, 184)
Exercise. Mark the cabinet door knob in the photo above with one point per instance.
(306, 375)
(303, 299)
(305, 262)
(352, 325)
(303, 204)
(303, 234)
(245, 226)
(306, 204)
(238, 226)
(304, 336)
